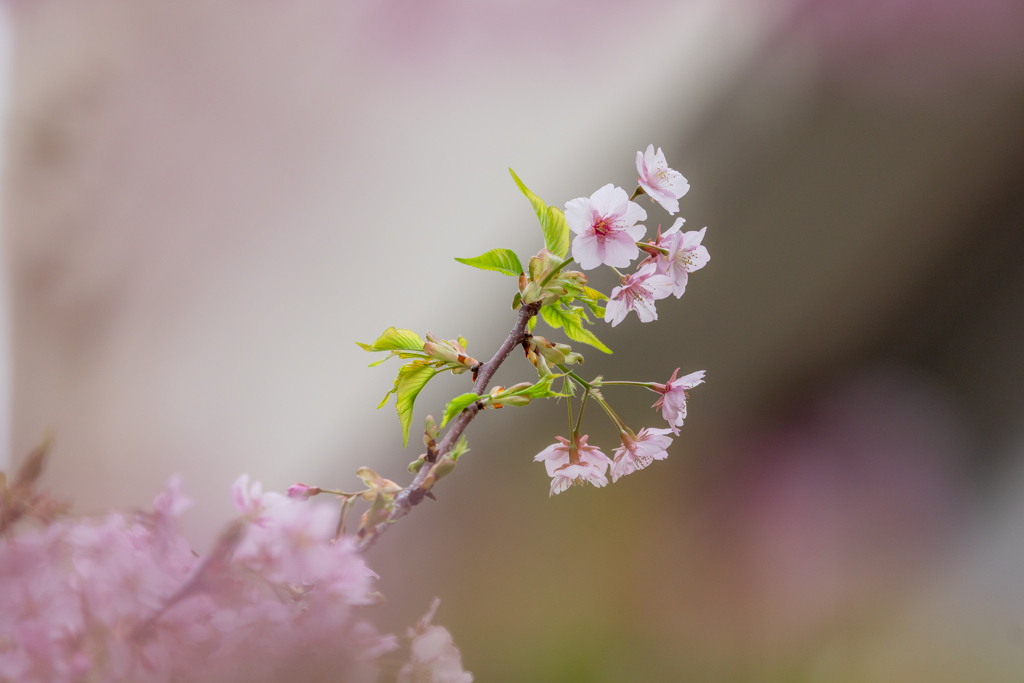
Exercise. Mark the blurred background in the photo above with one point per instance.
(206, 202)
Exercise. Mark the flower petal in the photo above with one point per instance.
(615, 312)
(588, 251)
(631, 214)
(578, 214)
(675, 227)
(609, 201)
(619, 251)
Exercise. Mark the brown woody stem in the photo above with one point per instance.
(414, 494)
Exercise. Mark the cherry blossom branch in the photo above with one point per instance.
(414, 494)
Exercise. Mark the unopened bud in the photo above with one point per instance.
(500, 396)
(444, 467)
(552, 294)
(377, 514)
(440, 352)
(552, 352)
(573, 279)
(573, 358)
(450, 351)
(518, 387)
(543, 369)
(541, 264)
(378, 486)
(302, 492)
(532, 293)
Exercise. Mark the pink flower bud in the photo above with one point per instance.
(302, 492)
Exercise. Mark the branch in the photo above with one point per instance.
(414, 494)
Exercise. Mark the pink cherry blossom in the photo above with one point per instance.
(433, 656)
(123, 598)
(639, 452)
(685, 255)
(673, 397)
(638, 292)
(663, 184)
(249, 498)
(569, 464)
(605, 228)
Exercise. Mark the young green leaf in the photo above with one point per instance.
(457, 405)
(552, 221)
(592, 298)
(556, 232)
(571, 323)
(395, 340)
(539, 207)
(412, 377)
(501, 260)
(541, 389)
(594, 308)
(460, 449)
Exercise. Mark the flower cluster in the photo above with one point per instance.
(575, 462)
(607, 233)
(123, 598)
(602, 229)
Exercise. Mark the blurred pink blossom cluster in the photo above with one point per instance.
(123, 598)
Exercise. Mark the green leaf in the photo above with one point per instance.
(501, 260)
(541, 389)
(460, 449)
(552, 221)
(457, 405)
(395, 340)
(572, 325)
(598, 311)
(531, 323)
(556, 232)
(412, 377)
(592, 298)
(517, 300)
(539, 207)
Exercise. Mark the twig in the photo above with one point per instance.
(414, 494)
